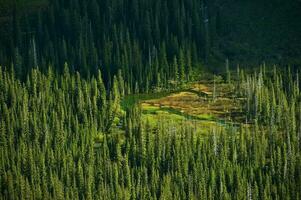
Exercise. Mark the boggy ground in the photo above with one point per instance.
(204, 106)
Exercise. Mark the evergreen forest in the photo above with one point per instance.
(150, 99)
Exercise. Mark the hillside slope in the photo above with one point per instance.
(131, 35)
(261, 30)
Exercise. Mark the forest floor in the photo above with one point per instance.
(203, 106)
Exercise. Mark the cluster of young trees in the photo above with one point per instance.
(273, 95)
(61, 138)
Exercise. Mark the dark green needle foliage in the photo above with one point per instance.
(60, 140)
(72, 127)
(142, 38)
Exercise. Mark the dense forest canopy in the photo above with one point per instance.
(55, 144)
(142, 37)
(150, 99)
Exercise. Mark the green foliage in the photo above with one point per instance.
(52, 145)
(76, 130)
(140, 39)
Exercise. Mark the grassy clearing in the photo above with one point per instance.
(195, 107)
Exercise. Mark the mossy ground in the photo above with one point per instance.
(195, 106)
